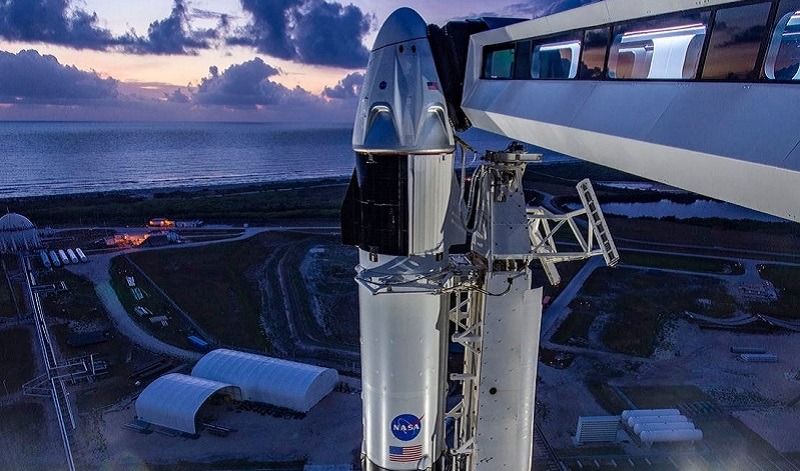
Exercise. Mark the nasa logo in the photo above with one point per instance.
(406, 427)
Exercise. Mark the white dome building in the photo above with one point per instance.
(17, 233)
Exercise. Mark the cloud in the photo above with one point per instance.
(347, 88)
(34, 86)
(61, 22)
(173, 35)
(248, 85)
(54, 22)
(307, 31)
(28, 77)
(177, 97)
(536, 8)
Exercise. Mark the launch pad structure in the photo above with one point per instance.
(443, 259)
(405, 210)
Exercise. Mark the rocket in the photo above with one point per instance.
(402, 212)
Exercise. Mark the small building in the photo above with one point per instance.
(83, 339)
(189, 224)
(160, 239)
(283, 383)
(161, 222)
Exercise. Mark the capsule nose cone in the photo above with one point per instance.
(402, 25)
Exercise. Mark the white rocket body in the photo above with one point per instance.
(399, 211)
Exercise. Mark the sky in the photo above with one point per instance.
(206, 60)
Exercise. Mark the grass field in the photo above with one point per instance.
(287, 293)
(216, 285)
(663, 397)
(607, 397)
(17, 358)
(786, 281)
(78, 303)
(253, 204)
(680, 262)
(637, 306)
(22, 429)
(7, 307)
(178, 327)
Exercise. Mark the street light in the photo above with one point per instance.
(5, 387)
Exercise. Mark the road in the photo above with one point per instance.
(98, 272)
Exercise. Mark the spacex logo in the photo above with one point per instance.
(406, 427)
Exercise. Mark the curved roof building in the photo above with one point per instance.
(17, 233)
(173, 400)
(283, 383)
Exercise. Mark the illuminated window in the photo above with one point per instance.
(665, 48)
(556, 58)
(498, 63)
(736, 39)
(783, 56)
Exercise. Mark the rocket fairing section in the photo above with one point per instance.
(399, 212)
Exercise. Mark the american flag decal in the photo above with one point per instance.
(433, 86)
(404, 454)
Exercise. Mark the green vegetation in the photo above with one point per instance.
(785, 279)
(22, 426)
(79, 302)
(216, 285)
(607, 397)
(636, 307)
(177, 330)
(663, 397)
(252, 204)
(681, 262)
(575, 328)
(233, 290)
(17, 357)
(7, 306)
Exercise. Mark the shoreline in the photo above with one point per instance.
(189, 190)
(149, 191)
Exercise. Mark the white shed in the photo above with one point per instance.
(173, 400)
(283, 383)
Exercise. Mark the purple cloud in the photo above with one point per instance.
(52, 21)
(173, 35)
(247, 85)
(28, 77)
(537, 8)
(307, 31)
(347, 88)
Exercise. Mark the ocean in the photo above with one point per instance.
(49, 158)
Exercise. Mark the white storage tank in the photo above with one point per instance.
(54, 258)
(72, 257)
(81, 255)
(63, 256)
(632, 421)
(642, 412)
(45, 260)
(653, 436)
(639, 428)
(759, 357)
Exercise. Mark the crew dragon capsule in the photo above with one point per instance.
(402, 211)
